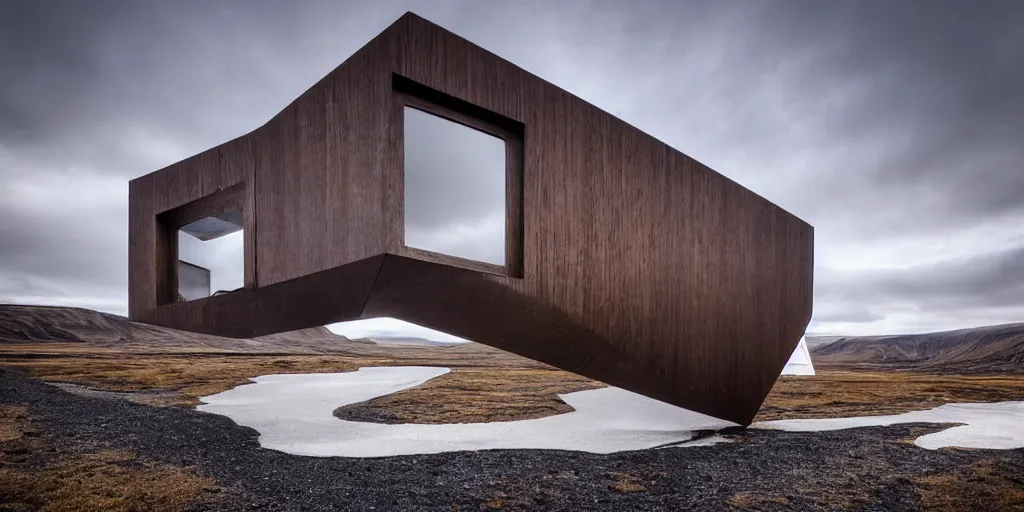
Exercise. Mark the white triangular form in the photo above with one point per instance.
(800, 362)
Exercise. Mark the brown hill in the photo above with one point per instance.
(998, 348)
(34, 332)
(47, 324)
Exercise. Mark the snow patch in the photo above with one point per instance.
(986, 425)
(294, 414)
(800, 361)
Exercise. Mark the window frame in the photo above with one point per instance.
(169, 222)
(407, 93)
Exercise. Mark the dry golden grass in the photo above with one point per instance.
(517, 499)
(836, 393)
(484, 385)
(66, 477)
(989, 485)
(626, 483)
(105, 480)
(190, 375)
(475, 395)
(755, 501)
(12, 422)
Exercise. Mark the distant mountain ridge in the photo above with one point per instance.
(992, 349)
(39, 329)
(409, 340)
(55, 324)
(997, 348)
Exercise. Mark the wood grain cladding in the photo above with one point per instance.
(641, 267)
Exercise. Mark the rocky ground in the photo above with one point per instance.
(206, 462)
(96, 413)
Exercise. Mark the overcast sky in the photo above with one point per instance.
(895, 128)
(454, 188)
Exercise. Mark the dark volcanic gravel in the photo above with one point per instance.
(868, 468)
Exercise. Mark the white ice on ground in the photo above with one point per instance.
(294, 414)
(800, 361)
(705, 441)
(986, 425)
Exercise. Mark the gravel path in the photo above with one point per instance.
(869, 468)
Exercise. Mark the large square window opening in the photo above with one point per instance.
(455, 189)
(211, 256)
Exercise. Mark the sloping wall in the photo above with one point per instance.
(641, 267)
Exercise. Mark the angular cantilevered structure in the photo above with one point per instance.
(622, 259)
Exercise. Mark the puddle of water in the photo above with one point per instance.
(293, 414)
(985, 425)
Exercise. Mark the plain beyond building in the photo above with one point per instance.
(566, 236)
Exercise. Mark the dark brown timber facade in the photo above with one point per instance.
(625, 260)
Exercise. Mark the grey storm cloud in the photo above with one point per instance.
(992, 280)
(894, 128)
(941, 83)
(984, 289)
(445, 160)
(454, 188)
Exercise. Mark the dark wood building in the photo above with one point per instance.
(624, 260)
